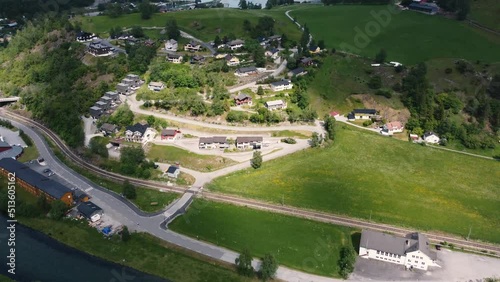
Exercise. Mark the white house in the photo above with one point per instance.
(272, 53)
(232, 60)
(174, 58)
(156, 86)
(171, 45)
(173, 171)
(140, 133)
(431, 137)
(235, 44)
(213, 142)
(281, 85)
(254, 142)
(412, 251)
(275, 105)
(392, 127)
(192, 46)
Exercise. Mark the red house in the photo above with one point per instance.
(170, 134)
(243, 99)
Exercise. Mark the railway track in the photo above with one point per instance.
(303, 213)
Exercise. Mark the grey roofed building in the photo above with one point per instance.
(95, 112)
(141, 128)
(297, 72)
(122, 88)
(111, 94)
(106, 100)
(395, 245)
(109, 128)
(236, 42)
(89, 209)
(33, 178)
(101, 104)
(168, 132)
(281, 82)
(13, 153)
(247, 69)
(215, 139)
(248, 139)
(127, 81)
(242, 96)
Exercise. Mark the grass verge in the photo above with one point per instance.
(298, 243)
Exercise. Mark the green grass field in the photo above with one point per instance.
(395, 182)
(204, 24)
(409, 37)
(172, 155)
(486, 13)
(29, 153)
(298, 243)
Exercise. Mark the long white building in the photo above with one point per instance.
(412, 251)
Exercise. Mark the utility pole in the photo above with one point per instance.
(470, 230)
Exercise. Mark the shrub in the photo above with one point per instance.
(448, 70)
(367, 123)
(289, 140)
(385, 93)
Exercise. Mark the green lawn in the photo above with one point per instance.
(409, 37)
(291, 133)
(486, 13)
(298, 243)
(29, 153)
(172, 155)
(395, 182)
(5, 279)
(204, 24)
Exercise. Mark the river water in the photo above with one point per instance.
(41, 258)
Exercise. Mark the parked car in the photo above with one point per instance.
(46, 170)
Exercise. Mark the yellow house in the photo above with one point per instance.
(232, 60)
(314, 50)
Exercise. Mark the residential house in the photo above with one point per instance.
(98, 49)
(156, 86)
(174, 58)
(197, 59)
(426, 8)
(171, 45)
(253, 142)
(213, 142)
(106, 100)
(243, 99)
(272, 53)
(246, 71)
(412, 251)
(34, 182)
(235, 44)
(392, 127)
(123, 89)
(281, 85)
(431, 137)
(414, 138)
(232, 60)
(170, 134)
(90, 211)
(109, 129)
(134, 80)
(173, 171)
(192, 46)
(149, 42)
(362, 114)
(95, 112)
(297, 72)
(84, 36)
(306, 61)
(139, 133)
(275, 105)
(102, 105)
(9, 151)
(274, 38)
(113, 95)
(219, 56)
(314, 49)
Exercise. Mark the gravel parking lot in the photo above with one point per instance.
(455, 266)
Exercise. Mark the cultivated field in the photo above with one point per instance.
(172, 155)
(366, 175)
(204, 24)
(298, 243)
(409, 37)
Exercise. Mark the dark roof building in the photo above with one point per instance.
(12, 152)
(365, 111)
(297, 72)
(99, 49)
(35, 182)
(95, 112)
(90, 211)
(138, 127)
(109, 128)
(424, 8)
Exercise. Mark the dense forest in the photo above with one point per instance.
(21, 9)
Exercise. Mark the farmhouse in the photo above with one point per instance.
(170, 134)
(156, 86)
(192, 46)
(431, 137)
(174, 58)
(392, 127)
(171, 45)
(36, 183)
(411, 251)
(90, 211)
(281, 85)
(98, 49)
(109, 129)
(139, 133)
(246, 71)
(235, 44)
(213, 142)
(297, 72)
(275, 105)
(173, 171)
(243, 99)
(84, 36)
(254, 142)
(362, 114)
(232, 60)
(95, 112)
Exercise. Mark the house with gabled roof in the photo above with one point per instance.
(174, 58)
(246, 71)
(275, 105)
(170, 134)
(90, 211)
(431, 137)
(284, 84)
(171, 45)
(213, 142)
(192, 46)
(246, 142)
(138, 132)
(297, 72)
(232, 60)
(243, 99)
(235, 44)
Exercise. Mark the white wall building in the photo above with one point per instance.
(281, 85)
(171, 45)
(431, 137)
(275, 105)
(412, 251)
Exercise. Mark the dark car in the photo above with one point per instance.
(46, 170)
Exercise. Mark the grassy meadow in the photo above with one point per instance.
(172, 155)
(204, 24)
(298, 243)
(409, 37)
(366, 175)
(486, 13)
